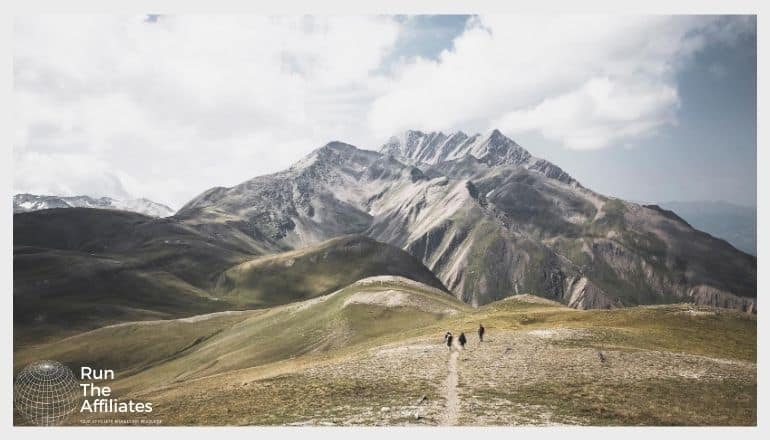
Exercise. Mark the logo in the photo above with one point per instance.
(46, 393)
(99, 399)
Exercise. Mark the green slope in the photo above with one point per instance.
(367, 311)
(317, 270)
(79, 269)
(377, 343)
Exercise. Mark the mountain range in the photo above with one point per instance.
(477, 217)
(33, 202)
(319, 295)
(489, 219)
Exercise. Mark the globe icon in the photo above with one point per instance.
(46, 393)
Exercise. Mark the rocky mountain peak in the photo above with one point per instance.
(336, 154)
(497, 149)
(494, 149)
(431, 148)
(489, 219)
(337, 146)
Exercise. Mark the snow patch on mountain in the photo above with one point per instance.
(33, 202)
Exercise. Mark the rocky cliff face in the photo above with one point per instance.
(490, 220)
(495, 149)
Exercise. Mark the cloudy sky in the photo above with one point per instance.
(648, 108)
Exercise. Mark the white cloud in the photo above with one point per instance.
(203, 100)
(110, 105)
(600, 113)
(588, 82)
(66, 174)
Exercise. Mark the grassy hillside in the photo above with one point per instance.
(317, 270)
(79, 269)
(372, 353)
(362, 313)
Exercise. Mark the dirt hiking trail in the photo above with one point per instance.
(452, 403)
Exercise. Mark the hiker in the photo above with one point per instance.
(481, 333)
(462, 340)
(448, 338)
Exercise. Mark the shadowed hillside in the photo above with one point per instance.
(78, 269)
(317, 270)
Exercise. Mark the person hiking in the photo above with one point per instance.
(481, 333)
(448, 339)
(462, 340)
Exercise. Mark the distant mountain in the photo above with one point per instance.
(490, 220)
(734, 223)
(32, 202)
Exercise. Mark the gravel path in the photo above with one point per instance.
(532, 377)
(452, 403)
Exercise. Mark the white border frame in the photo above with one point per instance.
(351, 7)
